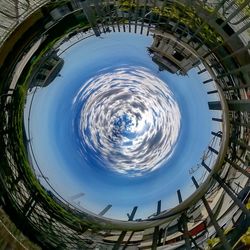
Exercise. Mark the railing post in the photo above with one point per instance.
(237, 11)
(228, 191)
(156, 230)
(183, 221)
(123, 233)
(214, 105)
(105, 210)
(213, 220)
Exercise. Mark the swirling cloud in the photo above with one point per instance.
(128, 120)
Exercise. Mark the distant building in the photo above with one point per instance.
(59, 12)
(48, 71)
(171, 55)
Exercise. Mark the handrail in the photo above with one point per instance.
(15, 23)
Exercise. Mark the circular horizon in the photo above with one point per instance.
(88, 116)
(126, 120)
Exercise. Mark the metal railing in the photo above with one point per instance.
(13, 12)
(50, 221)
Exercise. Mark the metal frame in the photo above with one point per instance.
(33, 207)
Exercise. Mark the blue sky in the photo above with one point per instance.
(54, 144)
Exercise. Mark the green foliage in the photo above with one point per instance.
(245, 238)
(209, 8)
(19, 143)
(189, 18)
(213, 242)
(11, 237)
(126, 5)
(246, 10)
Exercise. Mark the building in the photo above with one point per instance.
(170, 55)
(48, 70)
(216, 209)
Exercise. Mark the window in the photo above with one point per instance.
(178, 56)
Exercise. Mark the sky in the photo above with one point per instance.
(114, 127)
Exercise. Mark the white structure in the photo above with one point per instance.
(170, 55)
